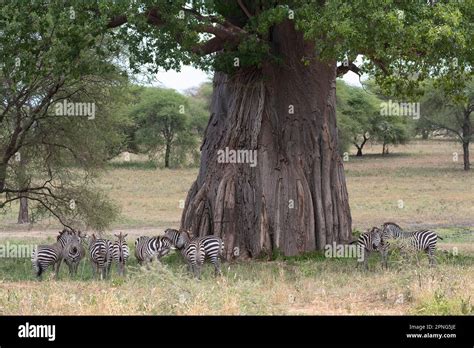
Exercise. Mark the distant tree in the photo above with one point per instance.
(390, 130)
(57, 124)
(423, 127)
(451, 112)
(359, 113)
(162, 120)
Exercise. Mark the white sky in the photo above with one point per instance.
(192, 77)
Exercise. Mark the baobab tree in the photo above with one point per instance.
(275, 67)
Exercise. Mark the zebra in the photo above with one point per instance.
(178, 239)
(146, 248)
(120, 252)
(194, 254)
(195, 251)
(100, 251)
(422, 240)
(368, 242)
(74, 252)
(46, 255)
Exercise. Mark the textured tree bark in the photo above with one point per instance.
(23, 216)
(295, 198)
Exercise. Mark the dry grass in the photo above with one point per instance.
(278, 287)
(435, 192)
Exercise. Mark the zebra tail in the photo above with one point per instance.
(198, 253)
(221, 250)
(39, 269)
(439, 237)
(36, 265)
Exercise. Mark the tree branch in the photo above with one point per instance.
(242, 6)
(224, 32)
(342, 69)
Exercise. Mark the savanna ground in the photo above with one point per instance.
(418, 186)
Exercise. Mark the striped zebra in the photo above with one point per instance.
(368, 242)
(74, 252)
(422, 240)
(46, 255)
(194, 254)
(100, 251)
(120, 252)
(146, 248)
(195, 251)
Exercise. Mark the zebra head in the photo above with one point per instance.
(178, 238)
(376, 237)
(391, 230)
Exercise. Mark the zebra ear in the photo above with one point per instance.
(125, 235)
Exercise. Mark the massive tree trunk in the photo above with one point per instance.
(295, 198)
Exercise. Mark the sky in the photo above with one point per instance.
(192, 77)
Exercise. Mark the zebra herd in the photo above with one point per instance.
(378, 240)
(71, 247)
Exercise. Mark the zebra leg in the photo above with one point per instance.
(94, 270)
(366, 260)
(430, 252)
(217, 268)
(198, 272)
(58, 265)
(384, 253)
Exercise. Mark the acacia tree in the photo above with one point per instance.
(276, 64)
(50, 57)
(162, 122)
(358, 117)
(441, 111)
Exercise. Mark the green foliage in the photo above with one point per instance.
(162, 119)
(359, 112)
(360, 118)
(441, 111)
(50, 55)
(403, 42)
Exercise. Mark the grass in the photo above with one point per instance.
(435, 191)
(307, 284)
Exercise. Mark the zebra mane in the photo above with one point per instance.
(392, 223)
